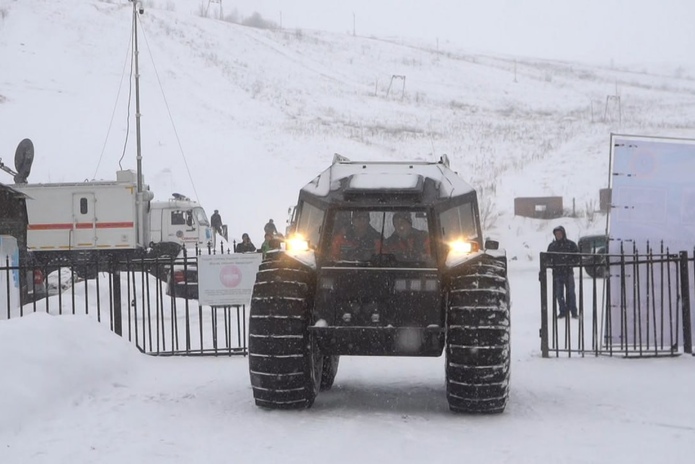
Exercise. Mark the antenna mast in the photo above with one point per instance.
(139, 198)
(136, 52)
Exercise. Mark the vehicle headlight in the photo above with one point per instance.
(296, 243)
(463, 247)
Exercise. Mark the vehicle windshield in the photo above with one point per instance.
(592, 244)
(201, 217)
(379, 238)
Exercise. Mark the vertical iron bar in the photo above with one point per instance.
(213, 313)
(228, 327)
(580, 313)
(96, 281)
(543, 279)
(649, 294)
(116, 301)
(685, 290)
(623, 309)
(670, 302)
(636, 302)
(146, 308)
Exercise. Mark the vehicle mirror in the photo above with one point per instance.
(492, 244)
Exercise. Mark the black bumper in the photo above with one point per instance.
(380, 341)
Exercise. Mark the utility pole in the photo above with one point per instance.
(353, 25)
(136, 52)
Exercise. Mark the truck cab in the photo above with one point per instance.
(180, 220)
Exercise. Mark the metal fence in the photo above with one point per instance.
(629, 304)
(136, 299)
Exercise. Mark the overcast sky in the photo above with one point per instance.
(625, 31)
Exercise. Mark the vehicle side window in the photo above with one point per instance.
(458, 223)
(310, 222)
(594, 245)
(178, 218)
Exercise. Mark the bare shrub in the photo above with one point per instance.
(590, 210)
(259, 22)
(202, 10)
(488, 212)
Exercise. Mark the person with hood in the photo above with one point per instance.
(563, 276)
(245, 245)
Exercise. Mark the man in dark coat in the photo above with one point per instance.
(216, 222)
(563, 276)
(270, 228)
(245, 246)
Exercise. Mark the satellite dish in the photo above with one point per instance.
(23, 159)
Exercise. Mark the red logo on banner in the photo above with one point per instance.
(230, 276)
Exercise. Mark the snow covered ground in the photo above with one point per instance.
(240, 119)
(74, 392)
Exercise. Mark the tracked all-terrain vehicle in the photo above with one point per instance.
(382, 259)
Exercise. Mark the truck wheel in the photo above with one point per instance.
(330, 370)
(285, 364)
(477, 339)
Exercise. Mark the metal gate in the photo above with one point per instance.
(135, 300)
(629, 304)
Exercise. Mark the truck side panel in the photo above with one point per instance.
(81, 217)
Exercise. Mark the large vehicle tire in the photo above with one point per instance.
(285, 364)
(330, 370)
(477, 339)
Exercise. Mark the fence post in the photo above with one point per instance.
(543, 278)
(685, 291)
(117, 319)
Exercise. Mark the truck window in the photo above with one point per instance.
(458, 223)
(310, 222)
(178, 218)
(83, 206)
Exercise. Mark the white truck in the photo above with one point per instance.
(101, 217)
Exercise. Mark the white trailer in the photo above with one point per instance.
(102, 217)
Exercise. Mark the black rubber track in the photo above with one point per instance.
(477, 339)
(284, 363)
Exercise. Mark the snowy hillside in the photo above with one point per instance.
(240, 118)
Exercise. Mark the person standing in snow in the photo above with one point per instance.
(245, 245)
(216, 222)
(563, 276)
(270, 228)
(270, 243)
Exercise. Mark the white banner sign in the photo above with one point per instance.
(225, 280)
(653, 201)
